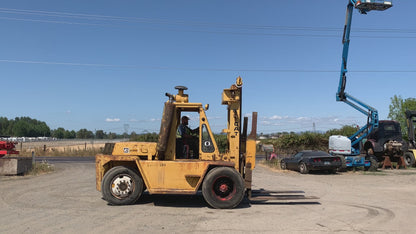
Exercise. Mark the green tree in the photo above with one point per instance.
(84, 134)
(133, 135)
(397, 110)
(112, 135)
(100, 134)
(222, 143)
(70, 134)
(146, 137)
(58, 133)
(21, 129)
(347, 130)
(4, 126)
(25, 126)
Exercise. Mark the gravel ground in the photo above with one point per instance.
(66, 202)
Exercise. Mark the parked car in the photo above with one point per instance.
(311, 160)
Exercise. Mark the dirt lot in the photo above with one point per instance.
(66, 202)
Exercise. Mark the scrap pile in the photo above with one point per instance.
(7, 147)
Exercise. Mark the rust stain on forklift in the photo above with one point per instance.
(126, 169)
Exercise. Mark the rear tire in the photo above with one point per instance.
(373, 166)
(223, 188)
(303, 169)
(343, 163)
(332, 171)
(409, 159)
(283, 166)
(122, 186)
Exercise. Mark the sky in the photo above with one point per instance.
(106, 65)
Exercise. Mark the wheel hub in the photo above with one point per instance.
(122, 186)
(223, 188)
(408, 160)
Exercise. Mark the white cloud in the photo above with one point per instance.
(276, 117)
(112, 120)
(144, 121)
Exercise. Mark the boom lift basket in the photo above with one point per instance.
(368, 5)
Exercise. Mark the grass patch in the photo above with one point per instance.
(40, 168)
(374, 173)
(405, 172)
(388, 171)
(274, 163)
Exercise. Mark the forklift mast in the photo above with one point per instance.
(232, 97)
(363, 7)
(241, 148)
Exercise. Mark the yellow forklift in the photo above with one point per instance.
(126, 169)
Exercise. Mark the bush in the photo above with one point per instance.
(347, 130)
(274, 163)
(222, 143)
(290, 143)
(41, 168)
(147, 137)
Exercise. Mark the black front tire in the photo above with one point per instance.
(332, 171)
(409, 159)
(223, 188)
(343, 167)
(283, 165)
(373, 166)
(122, 186)
(303, 168)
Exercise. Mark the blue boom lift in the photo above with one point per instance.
(352, 155)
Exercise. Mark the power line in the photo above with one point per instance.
(194, 23)
(50, 21)
(198, 69)
(100, 18)
(220, 32)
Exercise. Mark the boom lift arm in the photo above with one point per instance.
(363, 7)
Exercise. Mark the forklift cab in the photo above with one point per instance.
(202, 144)
(169, 147)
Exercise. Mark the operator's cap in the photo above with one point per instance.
(185, 117)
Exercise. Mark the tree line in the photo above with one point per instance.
(23, 127)
(28, 127)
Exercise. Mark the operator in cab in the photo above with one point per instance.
(186, 140)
